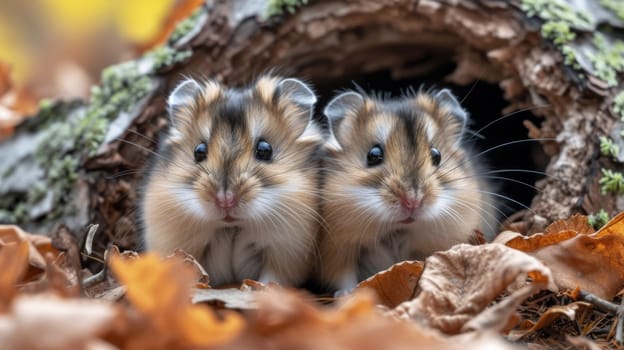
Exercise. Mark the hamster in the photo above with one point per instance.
(235, 180)
(399, 184)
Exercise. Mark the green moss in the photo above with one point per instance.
(611, 181)
(598, 219)
(277, 7)
(185, 26)
(618, 104)
(165, 56)
(608, 59)
(569, 57)
(555, 11)
(617, 6)
(558, 31)
(608, 147)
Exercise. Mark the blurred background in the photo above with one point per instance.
(57, 48)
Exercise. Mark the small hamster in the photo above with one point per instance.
(235, 180)
(399, 184)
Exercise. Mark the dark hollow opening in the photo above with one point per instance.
(485, 103)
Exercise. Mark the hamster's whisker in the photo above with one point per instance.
(479, 176)
(156, 154)
(143, 136)
(509, 199)
(510, 114)
(482, 153)
(537, 172)
(476, 209)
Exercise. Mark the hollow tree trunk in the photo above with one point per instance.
(81, 163)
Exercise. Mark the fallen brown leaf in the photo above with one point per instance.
(547, 318)
(15, 104)
(286, 319)
(159, 290)
(48, 322)
(38, 246)
(230, 298)
(592, 262)
(13, 264)
(595, 264)
(396, 284)
(457, 286)
(577, 222)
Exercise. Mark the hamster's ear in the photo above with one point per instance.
(302, 95)
(446, 99)
(182, 95)
(336, 110)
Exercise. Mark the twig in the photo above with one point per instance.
(607, 306)
(620, 324)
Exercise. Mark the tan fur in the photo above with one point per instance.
(278, 220)
(361, 204)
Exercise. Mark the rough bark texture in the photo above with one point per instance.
(493, 41)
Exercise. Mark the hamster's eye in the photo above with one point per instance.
(200, 152)
(436, 156)
(264, 151)
(374, 156)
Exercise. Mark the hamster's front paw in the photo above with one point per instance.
(348, 282)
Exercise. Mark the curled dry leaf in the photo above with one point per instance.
(577, 223)
(15, 104)
(230, 298)
(457, 286)
(159, 290)
(396, 284)
(592, 262)
(287, 319)
(548, 317)
(582, 343)
(556, 232)
(13, 264)
(38, 246)
(48, 322)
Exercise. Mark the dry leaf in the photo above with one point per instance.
(396, 284)
(556, 232)
(595, 264)
(230, 298)
(48, 322)
(13, 264)
(38, 246)
(547, 318)
(591, 262)
(457, 286)
(614, 227)
(290, 320)
(534, 242)
(582, 343)
(159, 290)
(15, 104)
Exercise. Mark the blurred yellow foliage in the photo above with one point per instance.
(30, 29)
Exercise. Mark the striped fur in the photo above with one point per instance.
(273, 238)
(361, 204)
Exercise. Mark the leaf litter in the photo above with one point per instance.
(557, 289)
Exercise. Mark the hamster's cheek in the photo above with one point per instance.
(368, 200)
(191, 202)
(436, 205)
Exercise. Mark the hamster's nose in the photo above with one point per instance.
(410, 202)
(226, 200)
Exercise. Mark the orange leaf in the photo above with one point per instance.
(458, 285)
(13, 264)
(396, 284)
(160, 290)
